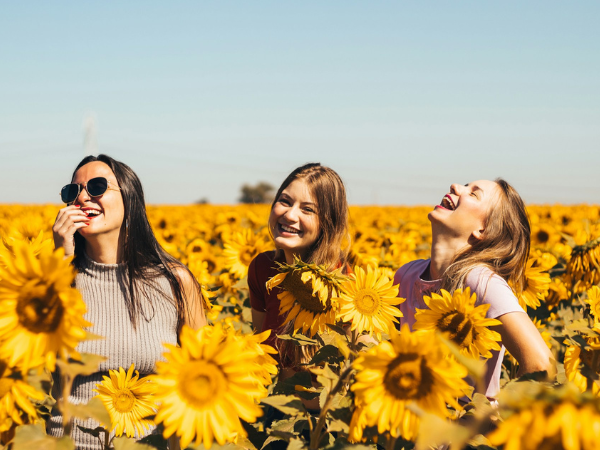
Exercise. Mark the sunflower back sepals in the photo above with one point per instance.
(308, 295)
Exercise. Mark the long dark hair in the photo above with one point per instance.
(141, 252)
(327, 189)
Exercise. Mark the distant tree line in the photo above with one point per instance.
(259, 193)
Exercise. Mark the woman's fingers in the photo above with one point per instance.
(68, 221)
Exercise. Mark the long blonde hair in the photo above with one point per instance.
(332, 246)
(504, 247)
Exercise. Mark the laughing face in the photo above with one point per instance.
(463, 211)
(294, 222)
(105, 212)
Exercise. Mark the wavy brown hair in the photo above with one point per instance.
(327, 189)
(331, 247)
(503, 247)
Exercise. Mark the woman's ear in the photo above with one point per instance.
(476, 236)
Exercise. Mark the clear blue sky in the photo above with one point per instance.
(401, 98)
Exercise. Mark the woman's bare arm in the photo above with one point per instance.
(523, 340)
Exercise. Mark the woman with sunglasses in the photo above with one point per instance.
(137, 295)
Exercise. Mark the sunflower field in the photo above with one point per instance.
(364, 383)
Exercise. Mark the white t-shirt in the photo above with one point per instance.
(491, 289)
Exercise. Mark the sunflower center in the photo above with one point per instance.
(40, 309)
(302, 292)
(543, 236)
(247, 254)
(459, 327)
(201, 383)
(367, 301)
(587, 357)
(408, 377)
(123, 400)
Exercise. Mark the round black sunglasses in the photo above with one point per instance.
(94, 187)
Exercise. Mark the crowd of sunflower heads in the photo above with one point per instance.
(361, 381)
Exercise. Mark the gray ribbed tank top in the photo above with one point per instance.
(104, 288)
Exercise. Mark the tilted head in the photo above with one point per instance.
(309, 216)
(492, 219)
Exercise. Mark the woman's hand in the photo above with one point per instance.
(68, 221)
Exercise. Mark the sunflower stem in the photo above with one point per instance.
(590, 380)
(391, 443)
(67, 384)
(316, 435)
(353, 345)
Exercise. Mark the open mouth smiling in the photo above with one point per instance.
(448, 203)
(289, 230)
(91, 213)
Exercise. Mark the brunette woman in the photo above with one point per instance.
(309, 219)
(480, 240)
(138, 296)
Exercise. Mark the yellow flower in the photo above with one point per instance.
(128, 399)
(537, 283)
(41, 314)
(15, 395)
(241, 249)
(457, 316)
(308, 295)
(542, 417)
(583, 269)
(574, 358)
(369, 300)
(412, 367)
(207, 385)
(593, 299)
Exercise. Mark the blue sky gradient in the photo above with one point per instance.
(401, 98)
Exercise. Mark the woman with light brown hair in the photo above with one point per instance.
(481, 240)
(309, 220)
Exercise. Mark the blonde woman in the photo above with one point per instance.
(480, 240)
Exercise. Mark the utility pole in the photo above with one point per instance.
(90, 138)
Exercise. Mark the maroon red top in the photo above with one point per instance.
(260, 270)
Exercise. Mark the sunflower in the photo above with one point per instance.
(593, 299)
(207, 385)
(266, 366)
(412, 367)
(41, 315)
(575, 357)
(308, 295)
(542, 417)
(15, 395)
(37, 244)
(241, 248)
(369, 300)
(464, 323)
(583, 269)
(128, 399)
(537, 283)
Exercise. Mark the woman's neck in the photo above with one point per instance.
(443, 252)
(104, 250)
